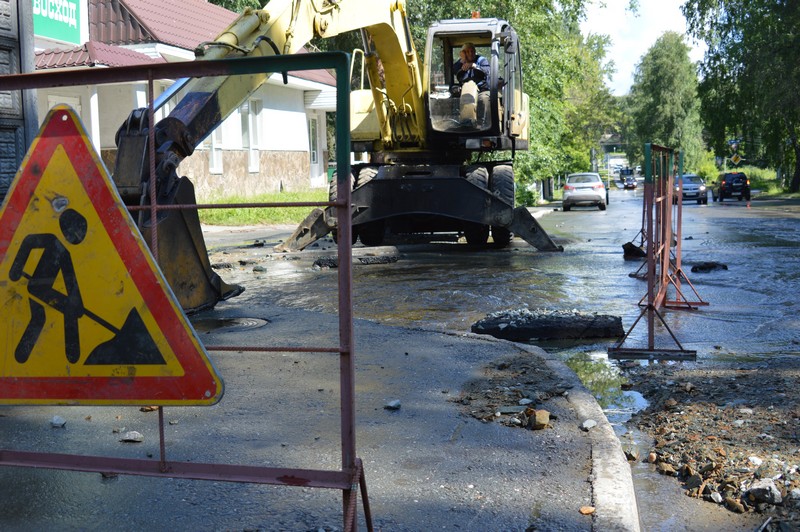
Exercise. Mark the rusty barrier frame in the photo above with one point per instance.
(350, 478)
(662, 269)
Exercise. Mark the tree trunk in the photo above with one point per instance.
(794, 186)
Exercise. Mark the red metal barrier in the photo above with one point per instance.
(661, 233)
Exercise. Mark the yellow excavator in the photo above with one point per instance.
(419, 126)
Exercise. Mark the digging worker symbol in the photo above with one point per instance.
(55, 259)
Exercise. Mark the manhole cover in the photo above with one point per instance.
(207, 325)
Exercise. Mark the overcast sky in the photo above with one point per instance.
(631, 36)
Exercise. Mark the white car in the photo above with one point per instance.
(693, 187)
(584, 189)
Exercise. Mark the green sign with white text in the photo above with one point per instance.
(59, 20)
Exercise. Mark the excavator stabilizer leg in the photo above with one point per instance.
(314, 227)
(525, 226)
(183, 258)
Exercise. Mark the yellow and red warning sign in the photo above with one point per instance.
(88, 318)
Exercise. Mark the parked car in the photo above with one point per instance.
(732, 184)
(692, 187)
(584, 189)
(630, 182)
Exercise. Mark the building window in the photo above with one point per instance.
(250, 113)
(215, 151)
(313, 142)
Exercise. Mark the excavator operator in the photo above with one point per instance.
(472, 72)
(472, 67)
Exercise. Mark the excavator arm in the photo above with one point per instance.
(281, 27)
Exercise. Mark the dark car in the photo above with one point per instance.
(630, 182)
(733, 184)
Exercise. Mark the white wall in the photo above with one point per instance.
(283, 118)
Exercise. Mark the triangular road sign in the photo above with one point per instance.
(88, 318)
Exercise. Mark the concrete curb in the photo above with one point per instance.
(612, 482)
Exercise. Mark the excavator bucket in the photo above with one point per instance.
(525, 226)
(311, 229)
(183, 258)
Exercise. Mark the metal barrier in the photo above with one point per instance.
(350, 477)
(660, 234)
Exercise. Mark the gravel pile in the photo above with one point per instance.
(729, 435)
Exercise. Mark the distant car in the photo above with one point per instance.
(692, 187)
(584, 189)
(630, 182)
(732, 184)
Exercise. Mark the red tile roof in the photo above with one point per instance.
(325, 77)
(89, 55)
(181, 23)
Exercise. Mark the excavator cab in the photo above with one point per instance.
(484, 112)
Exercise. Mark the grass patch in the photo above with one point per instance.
(263, 215)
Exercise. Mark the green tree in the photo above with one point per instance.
(664, 105)
(590, 109)
(750, 77)
(237, 6)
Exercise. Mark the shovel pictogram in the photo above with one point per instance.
(131, 344)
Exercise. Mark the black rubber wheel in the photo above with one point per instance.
(747, 196)
(503, 187)
(372, 233)
(365, 175)
(333, 188)
(565, 207)
(478, 175)
(476, 234)
(705, 201)
(602, 206)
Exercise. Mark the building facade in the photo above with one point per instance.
(275, 141)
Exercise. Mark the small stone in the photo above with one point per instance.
(540, 420)
(755, 460)
(587, 510)
(58, 422)
(588, 425)
(733, 505)
(666, 469)
(652, 457)
(525, 401)
(632, 455)
(392, 405)
(132, 437)
(717, 498)
(764, 490)
(694, 481)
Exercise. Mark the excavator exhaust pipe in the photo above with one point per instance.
(183, 257)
